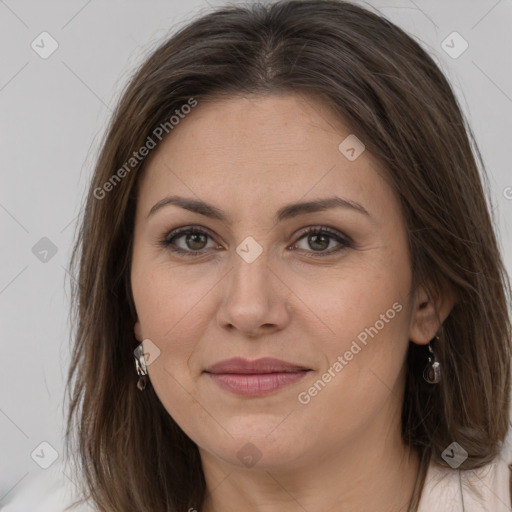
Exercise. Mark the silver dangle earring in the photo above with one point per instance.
(432, 371)
(140, 365)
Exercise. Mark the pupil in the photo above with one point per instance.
(313, 241)
(193, 238)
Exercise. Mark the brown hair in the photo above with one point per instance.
(392, 95)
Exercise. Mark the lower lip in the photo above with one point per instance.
(255, 384)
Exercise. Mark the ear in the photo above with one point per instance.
(138, 331)
(431, 307)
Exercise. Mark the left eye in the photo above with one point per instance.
(318, 239)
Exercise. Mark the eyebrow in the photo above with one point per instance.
(286, 212)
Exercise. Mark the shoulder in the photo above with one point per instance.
(49, 491)
(486, 489)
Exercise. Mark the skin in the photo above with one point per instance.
(342, 450)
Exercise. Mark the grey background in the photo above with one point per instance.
(53, 113)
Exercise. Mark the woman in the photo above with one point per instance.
(287, 229)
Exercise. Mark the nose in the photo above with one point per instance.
(255, 298)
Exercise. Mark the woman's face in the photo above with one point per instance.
(254, 284)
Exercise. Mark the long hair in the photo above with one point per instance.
(131, 453)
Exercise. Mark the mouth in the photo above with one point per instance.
(255, 378)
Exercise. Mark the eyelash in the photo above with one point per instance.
(169, 239)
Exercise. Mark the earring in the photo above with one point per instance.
(140, 365)
(432, 371)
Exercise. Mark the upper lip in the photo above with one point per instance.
(263, 365)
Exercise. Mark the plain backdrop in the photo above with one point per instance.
(53, 113)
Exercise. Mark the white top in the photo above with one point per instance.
(445, 489)
(451, 490)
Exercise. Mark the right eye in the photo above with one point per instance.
(194, 241)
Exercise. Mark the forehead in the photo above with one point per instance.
(273, 123)
(281, 147)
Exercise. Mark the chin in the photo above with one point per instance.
(254, 448)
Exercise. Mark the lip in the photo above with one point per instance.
(263, 365)
(255, 378)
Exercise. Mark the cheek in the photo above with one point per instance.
(362, 358)
(173, 309)
(169, 299)
(366, 309)
(349, 301)
(170, 316)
